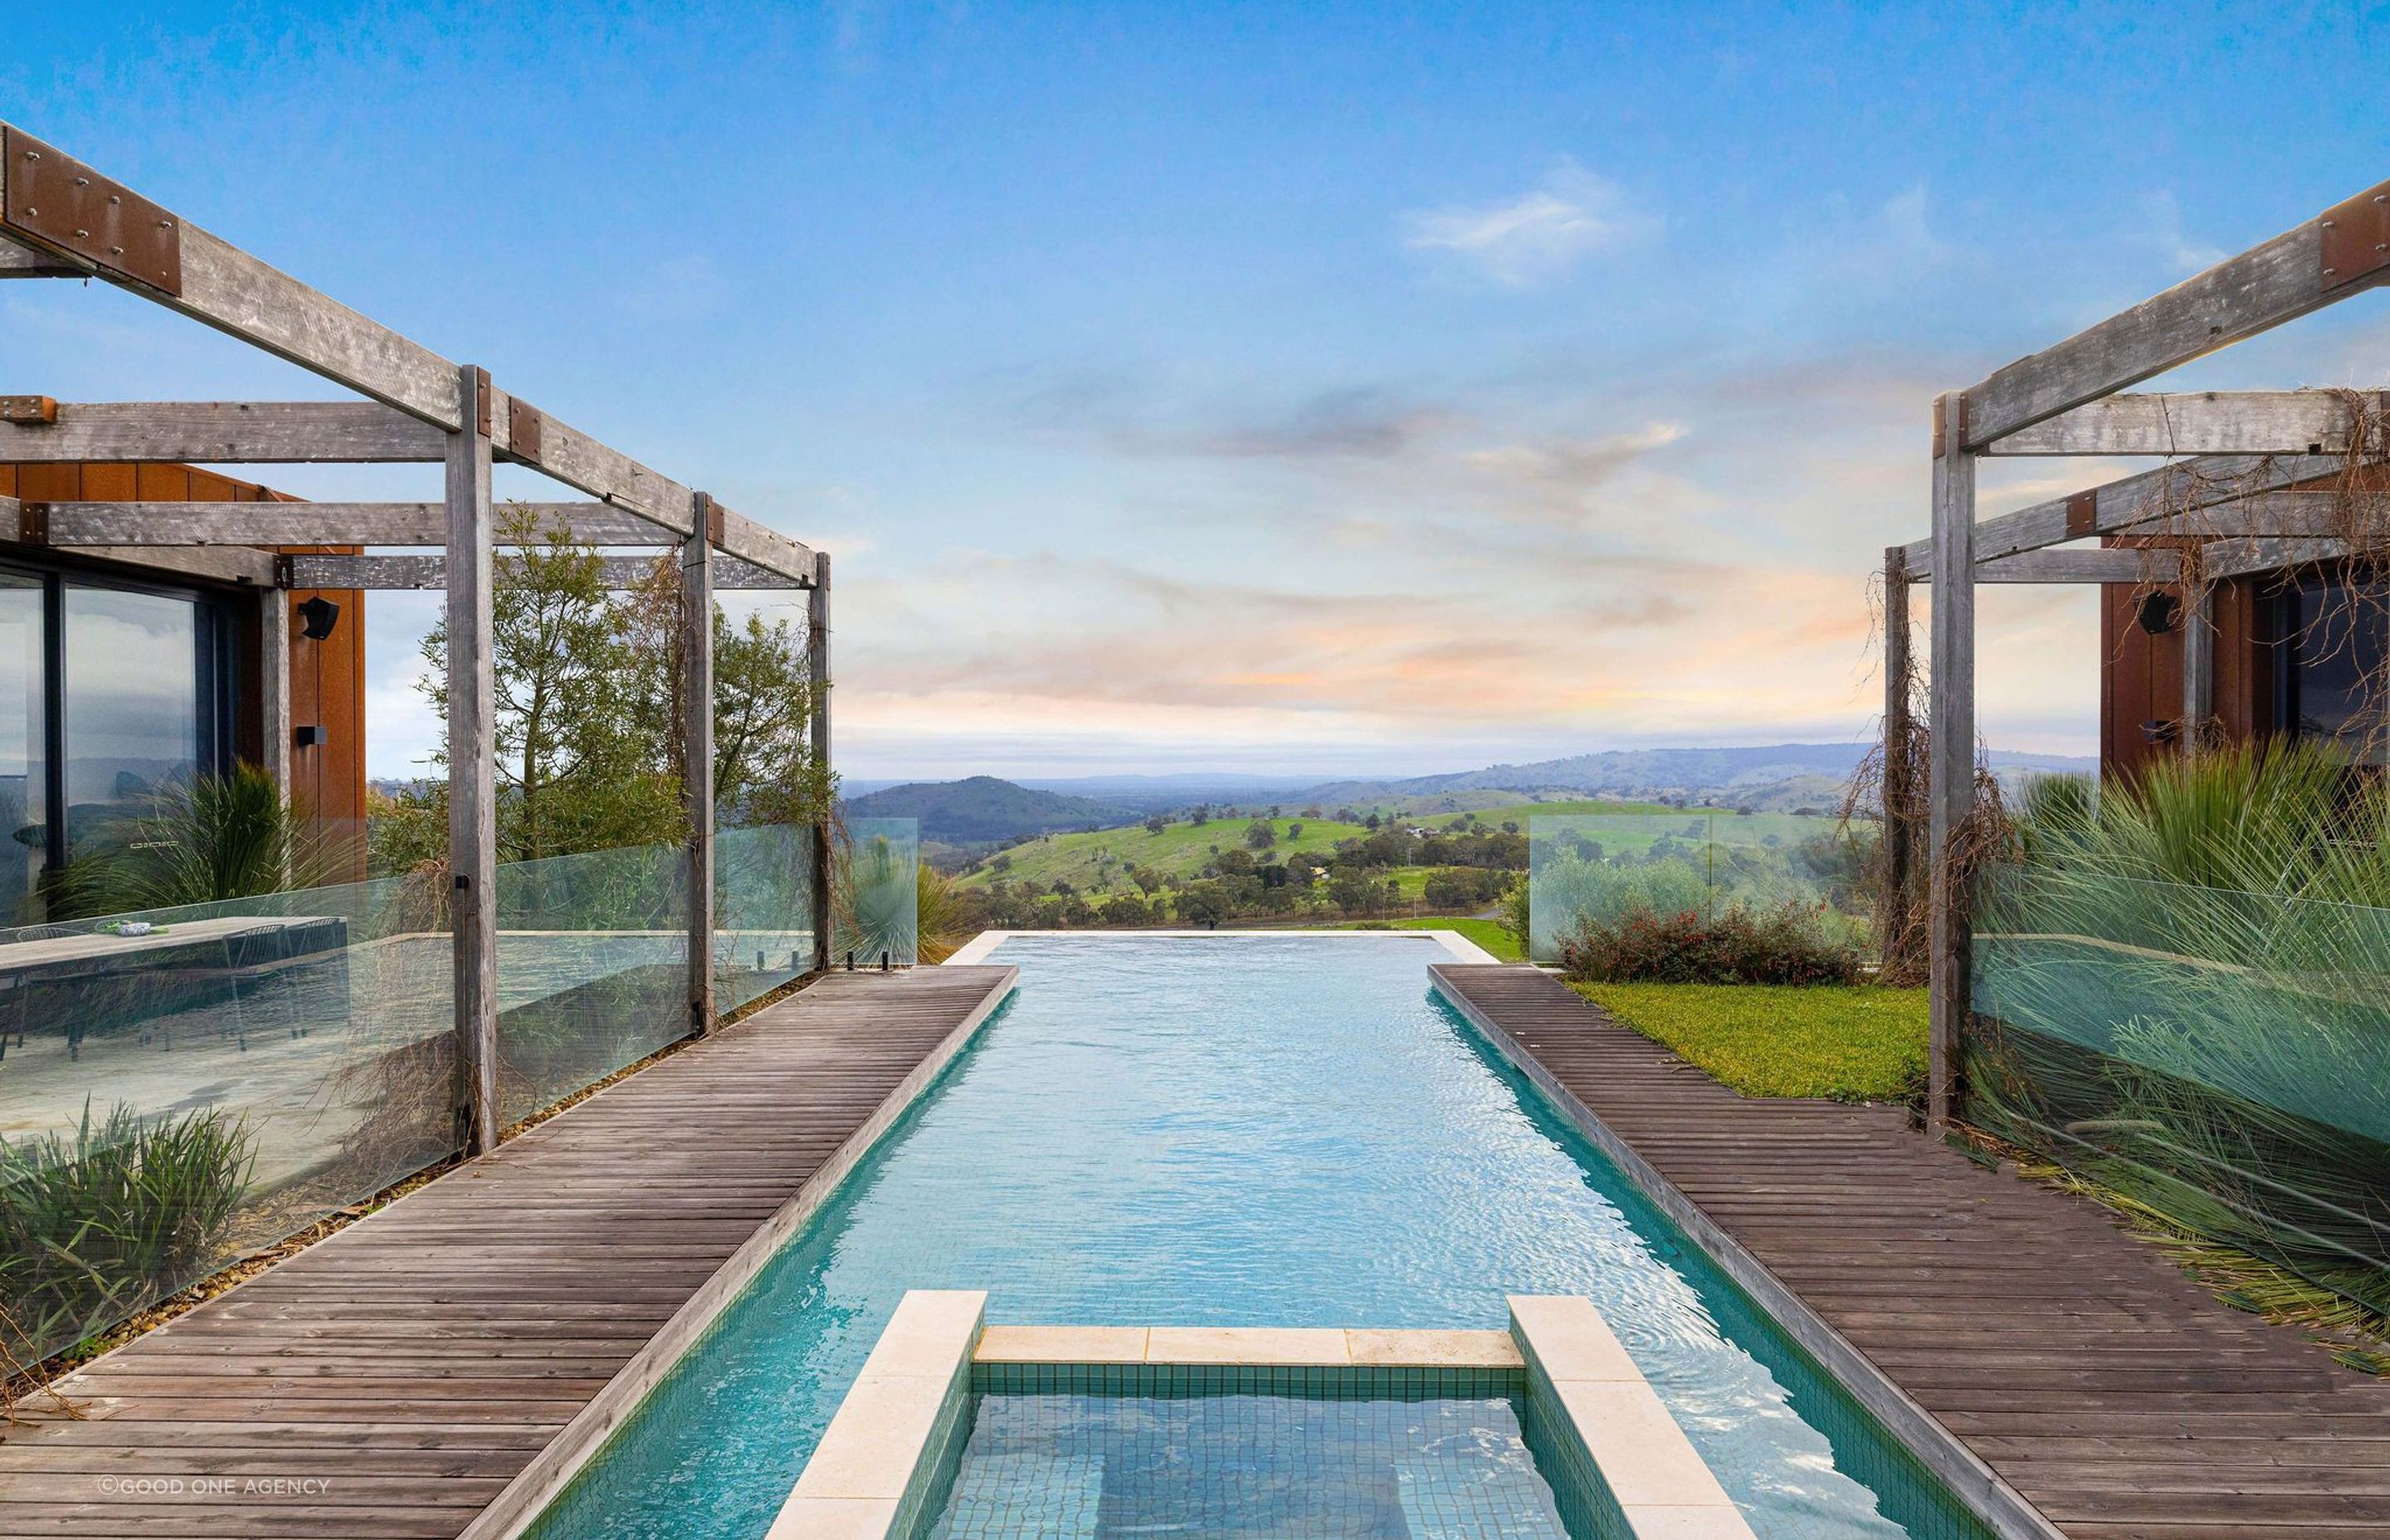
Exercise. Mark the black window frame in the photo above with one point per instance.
(215, 674)
(2288, 638)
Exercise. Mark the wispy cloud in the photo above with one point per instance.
(1541, 235)
(1135, 414)
(1570, 467)
(2161, 226)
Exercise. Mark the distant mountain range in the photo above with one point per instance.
(1654, 772)
(1773, 778)
(983, 809)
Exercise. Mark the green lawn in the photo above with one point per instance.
(1484, 932)
(1860, 1044)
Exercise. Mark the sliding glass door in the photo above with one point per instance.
(110, 695)
(136, 693)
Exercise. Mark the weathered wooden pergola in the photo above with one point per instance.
(61, 219)
(2246, 492)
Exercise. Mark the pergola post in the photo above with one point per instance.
(2198, 654)
(1899, 847)
(817, 669)
(274, 686)
(472, 764)
(1952, 771)
(697, 753)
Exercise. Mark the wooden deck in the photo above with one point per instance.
(2076, 1364)
(478, 1337)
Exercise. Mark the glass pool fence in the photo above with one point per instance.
(180, 1088)
(1597, 868)
(2220, 1057)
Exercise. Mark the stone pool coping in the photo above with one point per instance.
(874, 1466)
(1459, 947)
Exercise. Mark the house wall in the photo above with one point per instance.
(327, 677)
(2140, 675)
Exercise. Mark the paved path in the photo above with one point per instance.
(2118, 1397)
(394, 1380)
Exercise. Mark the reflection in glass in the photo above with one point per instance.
(2337, 647)
(24, 796)
(132, 702)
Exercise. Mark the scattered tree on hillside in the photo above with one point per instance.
(1156, 824)
(1203, 904)
(1260, 834)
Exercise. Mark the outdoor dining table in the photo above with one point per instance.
(82, 981)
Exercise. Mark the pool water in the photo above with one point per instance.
(1246, 1467)
(1234, 1131)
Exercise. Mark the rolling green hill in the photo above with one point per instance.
(1099, 861)
(983, 809)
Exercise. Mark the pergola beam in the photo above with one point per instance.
(2211, 423)
(2322, 260)
(2231, 558)
(2119, 565)
(2128, 504)
(215, 282)
(586, 464)
(223, 432)
(285, 433)
(432, 573)
(169, 524)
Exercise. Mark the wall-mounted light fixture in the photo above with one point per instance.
(317, 618)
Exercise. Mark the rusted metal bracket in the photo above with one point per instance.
(28, 409)
(714, 519)
(2082, 515)
(33, 523)
(523, 431)
(2356, 241)
(63, 203)
(482, 417)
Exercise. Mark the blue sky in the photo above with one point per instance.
(1307, 388)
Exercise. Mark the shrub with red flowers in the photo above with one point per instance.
(1787, 945)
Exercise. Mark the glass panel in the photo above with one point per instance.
(763, 911)
(2218, 1056)
(182, 1086)
(132, 703)
(1601, 867)
(879, 893)
(2337, 642)
(24, 729)
(593, 968)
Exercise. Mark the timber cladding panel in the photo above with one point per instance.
(2140, 674)
(327, 677)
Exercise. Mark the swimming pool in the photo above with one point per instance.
(1234, 1131)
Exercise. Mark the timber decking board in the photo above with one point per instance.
(2119, 1397)
(413, 1363)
